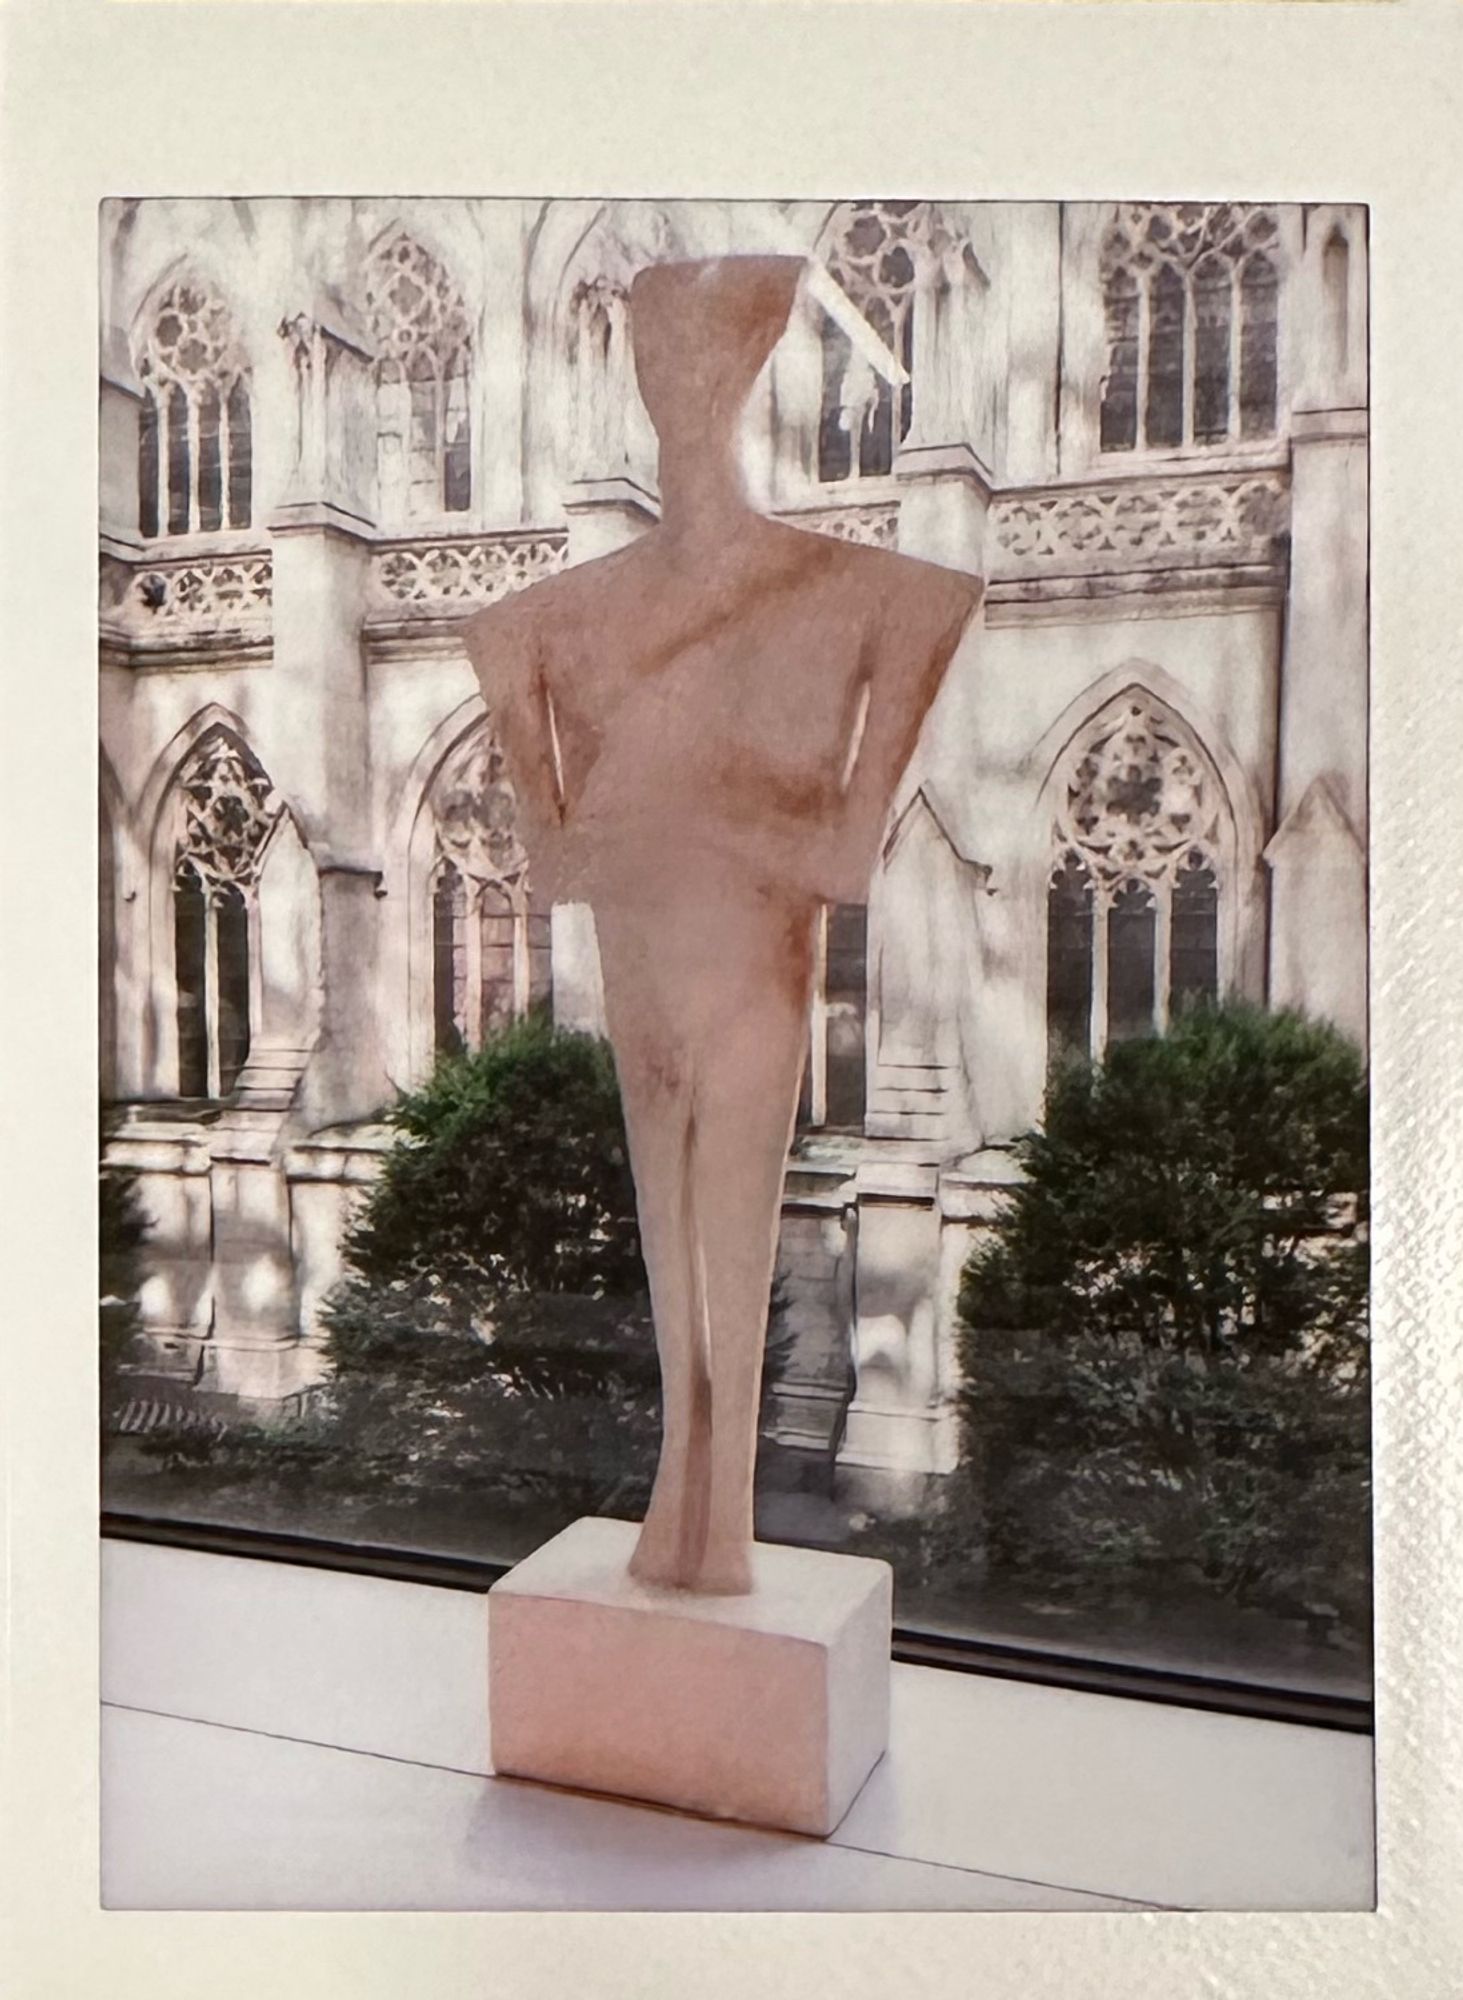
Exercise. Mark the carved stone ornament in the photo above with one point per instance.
(475, 810)
(229, 810)
(1138, 798)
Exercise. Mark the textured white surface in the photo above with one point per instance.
(217, 1819)
(1312, 99)
(1073, 1794)
(770, 1707)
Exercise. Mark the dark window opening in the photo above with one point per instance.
(1166, 359)
(1130, 969)
(1194, 935)
(190, 952)
(232, 920)
(1069, 959)
(241, 458)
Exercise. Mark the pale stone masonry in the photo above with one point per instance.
(331, 429)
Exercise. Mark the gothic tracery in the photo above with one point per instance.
(490, 936)
(1190, 296)
(422, 336)
(195, 470)
(874, 258)
(1133, 893)
(225, 812)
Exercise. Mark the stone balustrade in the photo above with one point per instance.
(447, 577)
(183, 604)
(874, 524)
(1195, 520)
(188, 602)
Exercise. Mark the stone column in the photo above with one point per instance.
(898, 1431)
(1318, 951)
(119, 418)
(921, 900)
(322, 565)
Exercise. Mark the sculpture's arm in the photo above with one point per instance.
(904, 668)
(508, 657)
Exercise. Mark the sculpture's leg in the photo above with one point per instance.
(655, 1088)
(746, 1103)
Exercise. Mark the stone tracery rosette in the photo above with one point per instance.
(475, 810)
(1139, 801)
(189, 339)
(229, 809)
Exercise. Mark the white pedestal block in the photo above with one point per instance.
(771, 1708)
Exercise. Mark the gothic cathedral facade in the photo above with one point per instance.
(331, 429)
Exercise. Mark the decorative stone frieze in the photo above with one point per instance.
(448, 578)
(1155, 523)
(876, 526)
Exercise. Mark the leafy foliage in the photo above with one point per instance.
(512, 1175)
(1164, 1349)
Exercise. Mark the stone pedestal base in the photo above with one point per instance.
(771, 1708)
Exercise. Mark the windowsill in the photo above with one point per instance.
(1270, 454)
(289, 1738)
(221, 542)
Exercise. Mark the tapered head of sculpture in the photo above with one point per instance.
(702, 332)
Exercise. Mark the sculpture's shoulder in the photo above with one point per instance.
(533, 614)
(910, 598)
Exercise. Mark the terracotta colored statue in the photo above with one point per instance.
(705, 731)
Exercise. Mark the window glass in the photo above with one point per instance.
(1091, 1373)
(1191, 303)
(193, 434)
(422, 336)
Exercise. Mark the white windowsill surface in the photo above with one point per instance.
(295, 1739)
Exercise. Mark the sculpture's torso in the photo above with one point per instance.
(711, 704)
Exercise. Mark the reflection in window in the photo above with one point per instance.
(1191, 308)
(1133, 897)
(834, 1077)
(194, 460)
(1336, 295)
(603, 376)
(863, 417)
(423, 340)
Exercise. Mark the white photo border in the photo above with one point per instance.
(1347, 103)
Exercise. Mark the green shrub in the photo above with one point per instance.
(511, 1175)
(1164, 1343)
(491, 1343)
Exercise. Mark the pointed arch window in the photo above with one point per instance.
(225, 811)
(863, 416)
(1133, 898)
(1191, 307)
(195, 459)
(491, 958)
(423, 342)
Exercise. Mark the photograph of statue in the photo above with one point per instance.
(706, 732)
(733, 912)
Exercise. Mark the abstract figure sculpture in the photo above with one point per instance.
(705, 731)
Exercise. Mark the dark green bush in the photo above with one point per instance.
(512, 1175)
(1164, 1341)
(490, 1352)
(490, 1347)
